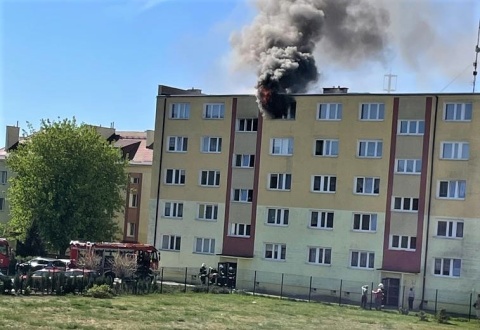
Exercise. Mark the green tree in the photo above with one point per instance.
(68, 183)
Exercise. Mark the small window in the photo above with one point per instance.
(180, 111)
(321, 219)
(405, 204)
(454, 189)
(133, 200)
(240, 229)
(398, 242)
(207, 212)
(3, 177)
(277, 217)
(134, 180)
(171, 242)
(281, 146)
(455, 150)
(175, 177)
(214, 111)
(450, 228)
(244, 161)
(275, 251)
(173, 210)
(372, 111)
(367, 186)
(324, 183)
(177, 144)
(210, 178)
(280, 181)
(362, 259)
(411, 127)
(2, 203)
(365, 222)
(326, 148)
(131, 229)
(370, 149)
(458, 112)
(329, 111)
(408, 166)
(211, 144)
(319, 256)
(447, 267)
(243, 195)
(247, 125)
(205, 245)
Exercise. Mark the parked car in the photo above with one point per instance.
(38, 263)
(82, 273)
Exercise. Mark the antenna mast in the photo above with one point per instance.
(477, 50)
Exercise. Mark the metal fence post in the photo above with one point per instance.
(254, 282)
(371, 296)
(436, 299)
(470, 306)
(403, 296)
(161, 281)
(340, 296)
(185, 279)
(281, 288)
(310, 289)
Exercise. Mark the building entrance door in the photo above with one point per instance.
(392, 291)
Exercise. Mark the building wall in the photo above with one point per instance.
(5, 211)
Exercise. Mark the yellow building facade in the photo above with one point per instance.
(366, 188)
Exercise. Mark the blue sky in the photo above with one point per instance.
(101, 60)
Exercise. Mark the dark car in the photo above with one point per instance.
(41, 263)
(82, 273)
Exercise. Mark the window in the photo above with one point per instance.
(458, 112)
(455, 150)
(243, 195)
(324, 183)
(133, 200)
(405, 204)
(361, 259)
(411, 127)
(291, 111)
(447, 267)
(398, 242)
(326, 148)
(177, 144)
(275, 251)
(367, 186)
(214, 111)
(408, 166)
(205, 245)
(3, 177)
(180, 111)
(131, 229)
(281, 146)
(240, 229)
(329, 111)
(321, 219)
(320, 256)
(450, 228)
(453, 189)
(174, 176)
(2, 203)
(207, 211)
(246, 161)
(247, 125)
(277, 217)
(134, 180)
(211, 144)
(372, 111)
(365, 222)
(370, 149)
(173, 210)
(171, 242)
(210, 178)
(280, 181)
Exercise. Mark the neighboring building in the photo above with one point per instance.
(11, 142)
(359, 187)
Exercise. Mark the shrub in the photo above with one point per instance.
(422, 316)
(100, 291)
(442, 316)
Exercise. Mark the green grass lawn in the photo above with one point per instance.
(200, 311)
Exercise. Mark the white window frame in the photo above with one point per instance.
(449, 272)
(278, 251)
(208, 147)
(281, 146)
(403, 200)
(325, 184)
(244, 161)
(451, 229)
(178, 177)
(411, 127)
(245, 195)
(360, 219)
(133, 200)
(134, 180)
(206, 177)
(183, 111)
(173, 243)
(207, 245)
(366, 186)
(277, 217)
(409, 240)
(321, 255)
(175, 210)
(3, 177)
(283, 181)
(240, 229)
(214, 111)
(456, 189)
(247, 124)
(180, 144)
(329, 148)
(364, 146)
(329, 111)
(462, 111)
(207, 212)
(356, 260)
(131, 228)
(323, 219)
(458, 150)
(408, 166)
(372, 111)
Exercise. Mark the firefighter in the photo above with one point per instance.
(203, 274)
(231, 277)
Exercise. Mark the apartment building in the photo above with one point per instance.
(11, 142)
(363, 187)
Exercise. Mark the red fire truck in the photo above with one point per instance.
(146, 255)
(5, 254)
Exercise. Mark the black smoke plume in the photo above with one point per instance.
(282, 38)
